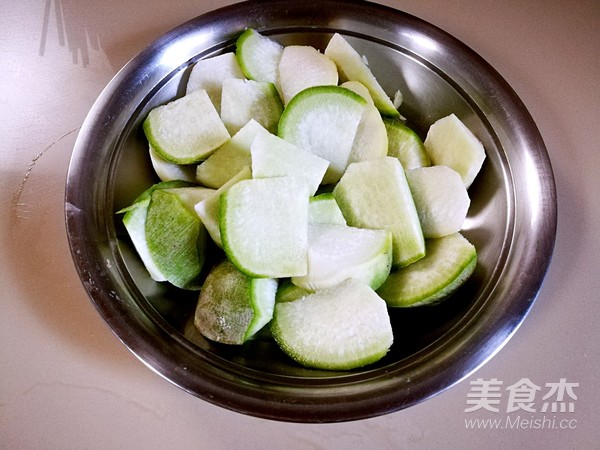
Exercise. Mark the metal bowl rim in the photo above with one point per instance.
(159, 348)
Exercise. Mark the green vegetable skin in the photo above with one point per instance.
(318, 266)
(175, 237)
(246, 303)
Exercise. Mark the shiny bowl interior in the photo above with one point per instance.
(512, 219)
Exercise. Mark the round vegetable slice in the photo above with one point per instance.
(264, 226)
(340, 328)
(186, 130)
(324, 120)
(258, 56)
(168, 171)
(449, 262)
(405, 144)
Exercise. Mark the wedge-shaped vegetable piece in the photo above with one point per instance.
(352, 67)
(450, 143)
(324, 120)
(288, 291)
(190, 195)
(303, 66)
(441, 199)
(360, 89)
(375, 194)
(168, 171)
(134, 219)
(244, 100)
(209, 209)
(323, 208)
(339, 252)
(449, 262)
(209, 73)
(135, 224)
(275, 157)
(176, 239)
(258, 56)
(145, 196)
(398, 100)
(405, 144)
(230, 158)
(233, 307)
(371, 139)
(264, 226)
(339, 328)
(186, 130)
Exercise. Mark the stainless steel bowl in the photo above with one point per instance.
(512, 220)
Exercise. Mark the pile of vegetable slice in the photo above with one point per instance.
(325, 207)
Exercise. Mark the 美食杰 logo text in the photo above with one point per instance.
(528, 405)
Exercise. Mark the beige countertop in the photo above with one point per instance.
(67, 382)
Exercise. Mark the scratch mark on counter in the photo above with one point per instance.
(58, 386)
(19, 207)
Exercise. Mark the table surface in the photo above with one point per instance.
(67, 382)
